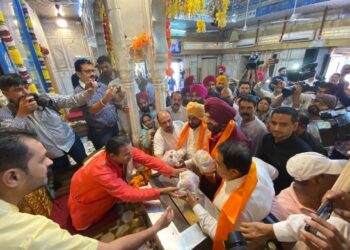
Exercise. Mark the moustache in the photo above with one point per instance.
(245, 114)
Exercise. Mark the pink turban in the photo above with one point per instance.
(260, 75)
(189, 81)
(219, 110)
(209, 78)
(200, 90)
(142, 96)
(222, 67)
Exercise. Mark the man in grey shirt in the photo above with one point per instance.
(252, 127)
(41, 115)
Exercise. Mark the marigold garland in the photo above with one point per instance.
(138, 50)
(201, 26)
(197, 7)
(15, 54)
(37, 48)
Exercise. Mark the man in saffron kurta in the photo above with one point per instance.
(219, 118)
(102, 181)
(192, 137)
(246, 192)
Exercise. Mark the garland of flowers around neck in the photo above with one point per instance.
(37, 47)
(15, 54)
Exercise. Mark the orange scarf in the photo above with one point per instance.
(225, 135)
(184, 134)
(234, 207)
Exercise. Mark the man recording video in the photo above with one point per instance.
(40, 114)
(100, 111)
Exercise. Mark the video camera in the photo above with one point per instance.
(334, 127)
(235, 241)
(298, 78)
(254, 61)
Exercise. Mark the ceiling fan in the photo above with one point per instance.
(294, 17)
(245, 27)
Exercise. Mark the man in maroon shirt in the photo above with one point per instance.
(219, 118)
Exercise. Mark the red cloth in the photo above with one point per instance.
(219, 110)
(189, 81)
(200, 89)
(98, 185)
(260, 74)
(209, 78)
(222, 67)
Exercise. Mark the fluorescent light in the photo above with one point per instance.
(296, 66)
(177, 32)
(80, 11)
(62, 23)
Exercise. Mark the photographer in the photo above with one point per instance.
(341, 93)
(99, 112)
(41, 115)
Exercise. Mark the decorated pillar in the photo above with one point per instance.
(160, 52)
(121, 45)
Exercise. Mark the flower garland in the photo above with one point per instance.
(15, 54)
(108, 37)
(220, 16)
(37, 49)
(198, 7)
(138, 49)
(169, 71)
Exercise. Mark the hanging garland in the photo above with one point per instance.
(37, 47)
(15, 54)
(190, 8)
(107, 36)
(138, 49)
(169, 71)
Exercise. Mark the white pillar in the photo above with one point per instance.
(160, 52)
(124, 62)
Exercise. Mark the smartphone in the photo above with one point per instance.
(323, 212)
(275, 59)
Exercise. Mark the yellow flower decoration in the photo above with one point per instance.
(2, 19)
(200, 26)
(16, 56)
(221, 19)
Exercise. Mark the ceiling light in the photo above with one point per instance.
(61, 22)
(296, 66)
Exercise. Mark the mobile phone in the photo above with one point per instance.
(323, 212)
(275, 59)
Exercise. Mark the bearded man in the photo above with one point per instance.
(219, 117)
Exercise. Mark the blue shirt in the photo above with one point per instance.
(106, 117)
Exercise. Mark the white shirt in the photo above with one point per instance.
(180, 115)
(288, 230)
(255, 131)
(190, 145)
(163, 141)
(258, 206)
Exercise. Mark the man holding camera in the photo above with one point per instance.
(100, 111)
(40, 114)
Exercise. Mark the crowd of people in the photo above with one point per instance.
(271, 172)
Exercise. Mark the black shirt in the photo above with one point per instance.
(313, 143)
(277, 154)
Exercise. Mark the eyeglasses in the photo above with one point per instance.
(88, 71)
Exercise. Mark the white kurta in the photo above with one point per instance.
(258, 206)
(288, 230)
(255, 131)
(165, 141)
(190, 145)
(180, 115)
